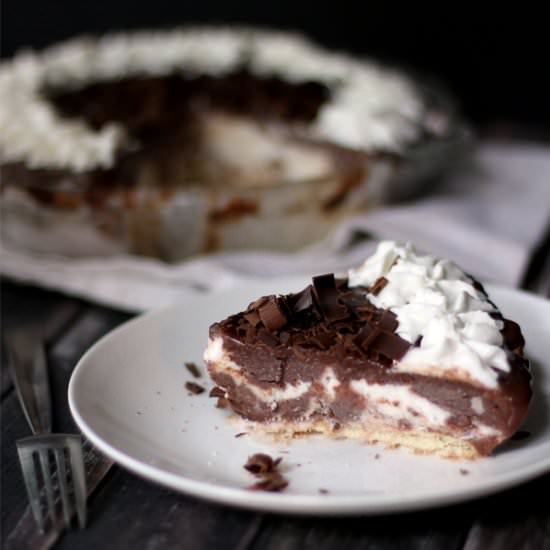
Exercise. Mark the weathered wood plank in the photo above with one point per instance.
(132, 513)
(433, 530)
(518, 519)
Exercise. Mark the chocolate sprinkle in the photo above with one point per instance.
(194, 388)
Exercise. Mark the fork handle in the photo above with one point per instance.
(27, 361)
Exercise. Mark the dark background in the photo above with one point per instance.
(497, 63)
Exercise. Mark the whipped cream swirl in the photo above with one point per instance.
(437, 307)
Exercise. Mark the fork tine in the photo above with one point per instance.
(26, 459)
(62, 478)
(74, 444)
(43, 455)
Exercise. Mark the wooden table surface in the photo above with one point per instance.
(126, 512)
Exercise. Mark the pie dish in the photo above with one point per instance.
(176, 142)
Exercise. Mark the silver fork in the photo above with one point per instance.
(27, 361)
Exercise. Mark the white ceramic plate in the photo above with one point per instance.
(127, 395)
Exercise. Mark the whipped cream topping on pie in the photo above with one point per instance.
(370, 108)
(439, 306)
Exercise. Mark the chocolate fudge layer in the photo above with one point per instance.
(407, 350)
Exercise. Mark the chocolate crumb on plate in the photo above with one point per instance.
(241, 434)
(193, 369)
(464, 472)
(263, 466)
(261, 463)
(323, 491)
(194, 388)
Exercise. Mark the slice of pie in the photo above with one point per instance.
(406, 350)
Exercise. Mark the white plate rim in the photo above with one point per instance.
(322, 505)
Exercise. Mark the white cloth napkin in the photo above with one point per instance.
(488, 217)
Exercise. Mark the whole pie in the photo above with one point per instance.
(405, 350)
(175, 142)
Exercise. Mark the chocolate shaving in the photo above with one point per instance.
(365, 336)
(257, 303)
(263, 466)
(272, 315)
(303, 300)
(241, 434)
(194, 388)
(216, 391)
(193, 369)
(323, 340)
(388, 321)
(253, 318)
(390, 345)
(378, 285)
(260, 464)
(327, 295)
(222, 403)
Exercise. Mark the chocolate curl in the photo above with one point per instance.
(365, 337)
(303, 300)
(253, 318)
(390, 345)
(388, 321)
(272, 315)
(327, 295)
(378, 285)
